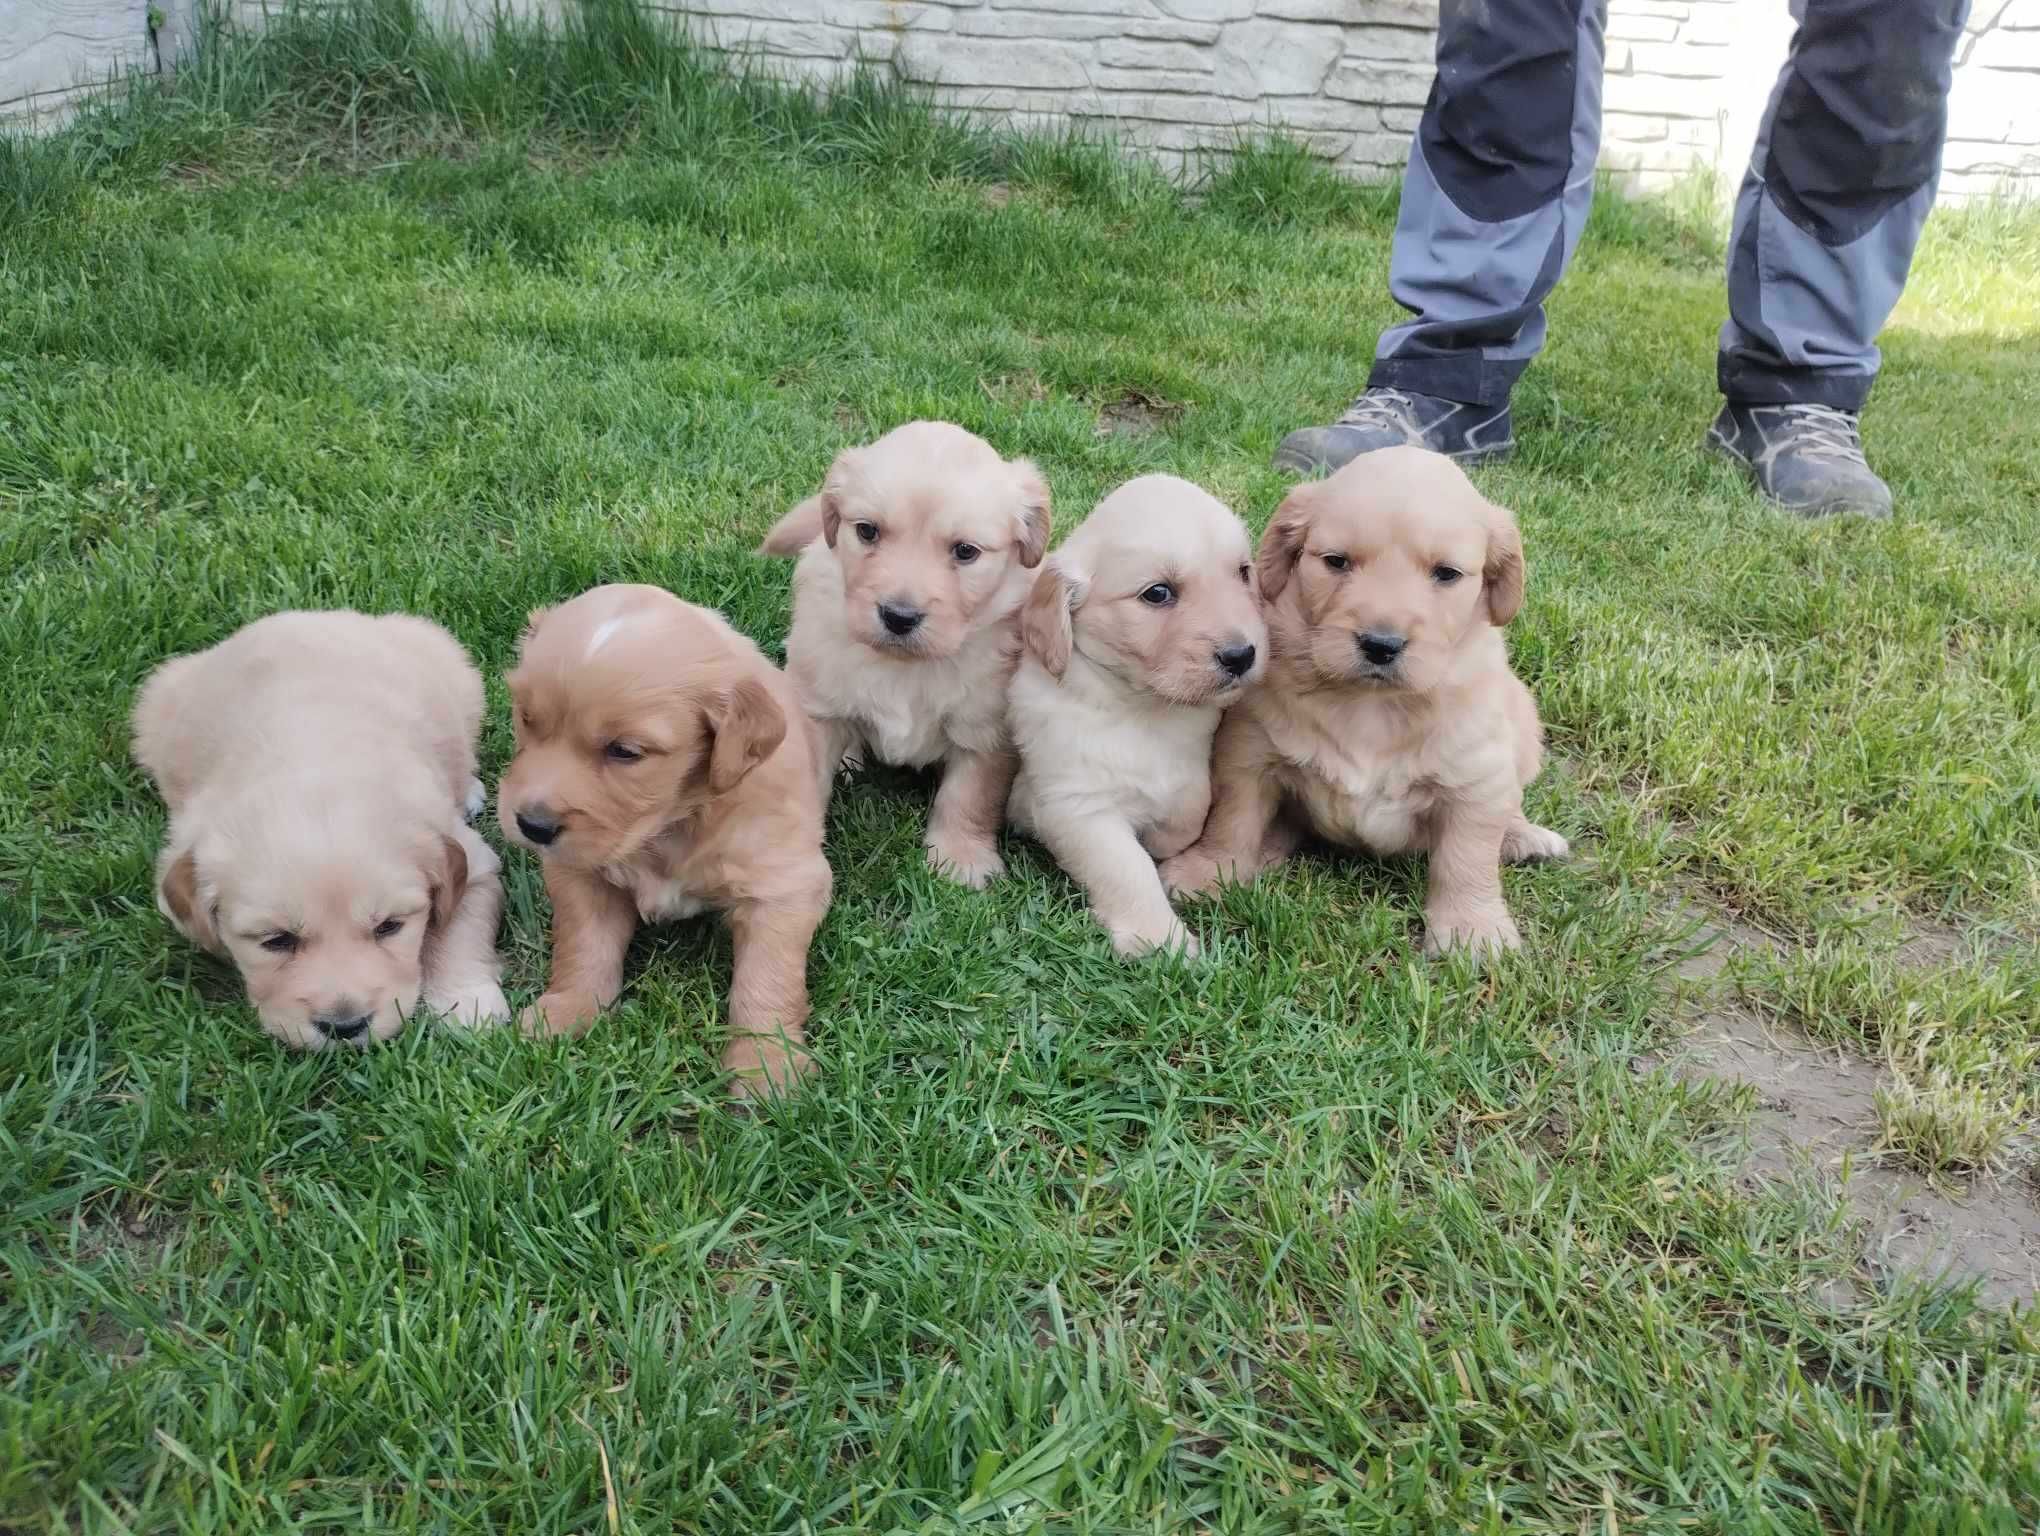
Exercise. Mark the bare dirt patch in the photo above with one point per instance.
(1136, 414)
(1816, 1118)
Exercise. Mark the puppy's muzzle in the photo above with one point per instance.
(538, 825)
(344, 1023)
(1235, 660)
(1380, 647)
(900, 619)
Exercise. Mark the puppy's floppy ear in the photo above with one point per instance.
(1502, 572)
(746, 725)
(449, 882)
(819, 517)
(1282, 542)
(798, 529)
(1034, 511)
(179, 899)
(1045, 618)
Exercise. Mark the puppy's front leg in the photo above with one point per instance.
(1184, 826)
(1245, 803)
(464, 975)
(592, 925)
(1102, 854)
(1464, 908)
(768, 989)
(963, 826)
(837, 737)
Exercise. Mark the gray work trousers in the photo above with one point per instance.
(1501, 173)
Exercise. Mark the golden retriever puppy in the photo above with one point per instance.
(913, 566)
(1389, 719)
(664, 769)
(1139, 633)
(320, 770)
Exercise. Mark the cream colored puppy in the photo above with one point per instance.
(320, 770)
(1389, 719)
(913, 566)
(1140, 631)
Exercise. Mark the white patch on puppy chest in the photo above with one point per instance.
(604, 633)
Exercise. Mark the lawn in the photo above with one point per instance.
(1309, 1235)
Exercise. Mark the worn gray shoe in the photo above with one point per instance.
(1382, 418)
(1807, 458)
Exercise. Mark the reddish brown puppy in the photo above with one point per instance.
(664, 768)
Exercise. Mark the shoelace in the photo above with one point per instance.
(1823, 432)
(1380, 408)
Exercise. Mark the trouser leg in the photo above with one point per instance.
(1500, 177)
(1845, 169)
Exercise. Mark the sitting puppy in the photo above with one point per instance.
(1389, 720)
(913, 562)
(663, 768)
(1140, 631)
(320, 770)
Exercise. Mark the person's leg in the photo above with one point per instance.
(1500, 175)
(1844, 173)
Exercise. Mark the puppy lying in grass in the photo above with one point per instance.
(320, 770)
(1139, 633)
(913, 565)
(664, 769)
(1389, 720)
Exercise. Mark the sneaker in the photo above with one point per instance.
(1807, 458)
(1382, 418)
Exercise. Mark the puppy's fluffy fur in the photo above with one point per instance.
(913, 566)
(1139, 633)
(319, 769)
(1389, 719)
(663, 769)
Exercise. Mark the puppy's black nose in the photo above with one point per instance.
(342, 1026)
(538, 826)
(1236, 659)
(899, 618)
(1380, 647)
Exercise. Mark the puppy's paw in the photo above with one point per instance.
(971, 863)
(1482, 935)
(1192, 873)
(1128, 943)
(477, 797)
(1528, 843)
(475, 1007)
(558, 1013)
(764, 1066)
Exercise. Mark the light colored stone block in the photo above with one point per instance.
(968, 61)
(1386, 85)
(1269, 58)
(1641, 29)
(1127, 53)
(1401, 45)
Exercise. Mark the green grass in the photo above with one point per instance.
(1312, 1236)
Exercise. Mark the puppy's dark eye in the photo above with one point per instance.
(1246, 573)
(622, 752)
(1337, 562)
(1445, 575)
(281, 943)
(389, 928)
(1160, 595)
(964, 553)
(867, 533)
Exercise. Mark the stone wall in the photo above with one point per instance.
(1186, 79)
